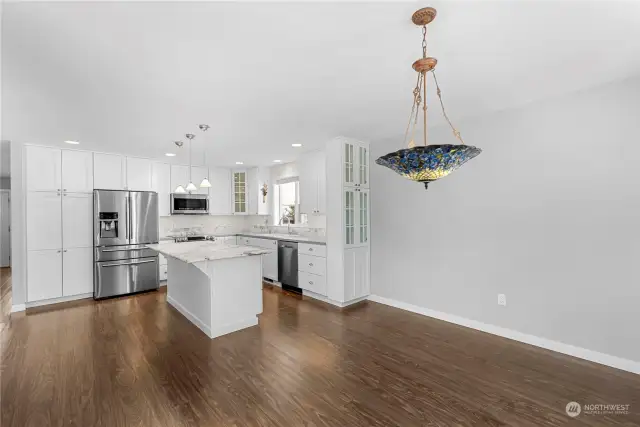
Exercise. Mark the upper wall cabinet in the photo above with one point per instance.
(220, 191)
(43, 168)
(77, 171)
(198, 173)
(179, 176)
(355, 164)
(138, 174)
(313, 183)
(239, 192)
(161, 184)
(109, 172)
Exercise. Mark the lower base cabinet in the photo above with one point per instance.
(44, 274)
(59, 273)
(77, 271)
(356, 273)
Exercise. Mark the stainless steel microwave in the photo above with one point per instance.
(189, 204)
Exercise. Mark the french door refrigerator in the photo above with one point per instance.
(124, 223)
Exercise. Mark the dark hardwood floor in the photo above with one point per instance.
(135, 361)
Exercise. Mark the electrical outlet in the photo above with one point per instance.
(502, 299)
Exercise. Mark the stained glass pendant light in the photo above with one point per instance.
(427, 163)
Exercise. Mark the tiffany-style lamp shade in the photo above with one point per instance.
(430, 163)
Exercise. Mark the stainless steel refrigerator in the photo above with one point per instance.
(124, 223)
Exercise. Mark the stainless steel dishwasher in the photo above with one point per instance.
(288, 265)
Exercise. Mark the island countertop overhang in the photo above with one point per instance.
(192, 252)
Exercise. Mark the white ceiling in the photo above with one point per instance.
(133, 77)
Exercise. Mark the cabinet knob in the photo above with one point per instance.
(310, 249)
(64, 250)
(310, 264)
(59, 251)
(310, 282)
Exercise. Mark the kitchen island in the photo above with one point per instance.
(216, 285)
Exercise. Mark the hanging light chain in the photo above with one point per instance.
(417, 104)
(424, 41)
(416, 93)
(456, 133)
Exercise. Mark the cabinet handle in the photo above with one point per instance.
(310, 249)
(64, 250)
(59, 251)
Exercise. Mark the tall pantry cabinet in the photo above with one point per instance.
(348, 220)
(59, 228)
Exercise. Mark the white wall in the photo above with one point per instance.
(548, 214)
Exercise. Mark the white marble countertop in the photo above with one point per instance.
(191, 252)
(319, 240)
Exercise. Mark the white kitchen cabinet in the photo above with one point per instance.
(138, 174)
(43, 168)
(109, 172)
(77, 220)
(179, 176)
(239, 192)
(312, 282)
(312, 249)
(161, 184)
(355, 164)
(220, 191)
(356, 216)
(313, 186)
(77, 171)
(44, 220)
(77, 271)
(44, 274)
(312, 264)
(356, 273)
(198, 173)
(257, 204)
(270, 260)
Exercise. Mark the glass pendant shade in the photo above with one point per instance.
(191, 187)
(430, 163)
(180, 189)
(205, 183)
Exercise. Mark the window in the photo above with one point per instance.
(287, 201)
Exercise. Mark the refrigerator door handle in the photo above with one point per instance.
(136, 248)
(126, 217)
(128, 263)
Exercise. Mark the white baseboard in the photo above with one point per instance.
(192, 318)
(58, 300)
(18, 307)
(582, 353)
(328, 300)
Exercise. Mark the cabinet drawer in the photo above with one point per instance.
(312, 264)
(312, 282)
(314, 250)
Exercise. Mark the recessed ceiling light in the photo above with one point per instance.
(73, 142)
(170, 154)
(277, 161)
(296, 145)
(239, 163)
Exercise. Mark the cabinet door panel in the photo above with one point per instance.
(349, 220)
(198, 173)
(239, 192)
(77, 171)
(161, 184)
(179, 176)
(363, 216)
(77, 271)
(270, 265)
(109, 171)
(321, 174)
(43, 168)
(77, 220)
(363, 166)
(220, 191)
(138, 174)
(308, 185)
(356, 273)
(44, 221)
(348, 164)
(44, 275)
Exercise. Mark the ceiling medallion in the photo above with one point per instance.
(427, 163)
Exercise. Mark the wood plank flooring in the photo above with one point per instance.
(135, 361)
